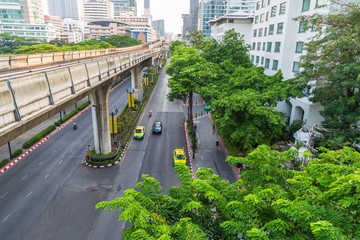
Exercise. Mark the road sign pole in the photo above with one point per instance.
(113, 128)
(9, 150)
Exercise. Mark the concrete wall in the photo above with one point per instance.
(39, 95)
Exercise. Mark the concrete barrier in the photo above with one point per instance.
(79, 76)
(7, 105)
(93, 71)
(31, 93)
(60, 83)
(4, 62)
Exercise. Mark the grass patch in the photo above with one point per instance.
(66, 117)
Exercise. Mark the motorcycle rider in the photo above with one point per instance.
(150, 112)
(74, 125)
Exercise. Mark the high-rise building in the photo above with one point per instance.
(278, 43)
(147, 12)
(159, 26)
(66, 9)
(33, 11)
(11, 11)
(98, 9)
(190, 21)
(140, 28)
(210, 9)
(122, 7)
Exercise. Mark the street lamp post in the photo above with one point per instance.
(130, 91)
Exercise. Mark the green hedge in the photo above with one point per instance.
(83, 106)
(4, 162)
(38, 136)
(16, 153)
(67, 117)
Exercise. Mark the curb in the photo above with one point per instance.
(189, 151)
(111, 164)
(50, 134)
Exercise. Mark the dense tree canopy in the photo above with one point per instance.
(195, 38)
(120, 41)
(333, 59)
(175, 44)
(269, 202)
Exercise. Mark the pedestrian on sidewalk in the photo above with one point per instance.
(217, 143)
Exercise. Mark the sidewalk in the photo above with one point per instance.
(207, 154)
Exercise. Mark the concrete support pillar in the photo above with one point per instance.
(136, 77)
(100, 117)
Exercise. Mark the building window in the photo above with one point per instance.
(255, 32)
(257, 59)
(299, 47)
(277, 46)
(269, 2)
(267, 63)
(273, 11)
(263, 3)
(296, 67)
(275, 65)
(260, 32)
(264, 45)
(262, 17)
(258, 5)
(280, 27)
(267, 16)
(305, 5)
(252, 58)
(262, 60)
(302, 27)
(258, 46)
(282, 8)
(265, 31)
(253, 46)
(320, 3)
(231, 21)
(269, 46)
(271, 29)
(256, 19)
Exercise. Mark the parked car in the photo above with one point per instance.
(179, 156)
(139, 132)
(157, 127)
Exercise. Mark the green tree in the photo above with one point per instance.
(195, 37)
(232, 50)
(332, 59)
(120, 41)
(58, 42)
(174, 44)
(39, 48)
(269, 202)
(188, 71)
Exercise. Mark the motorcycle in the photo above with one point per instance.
(75, 127)
(150, 113)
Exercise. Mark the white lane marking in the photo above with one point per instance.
(29, 194)
(60, 162)
(123, 225)
(201, 157)
(24, 177)
(46, 176)
(5, 218)
(3, 195)
(40, 162)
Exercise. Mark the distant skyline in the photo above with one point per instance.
(169, 10)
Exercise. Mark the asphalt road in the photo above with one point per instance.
(50, 194)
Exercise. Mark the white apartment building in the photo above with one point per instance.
(26, 30)
(98, 9)
(73, 30)
(277, 44)
(140, 28)
(240, 21)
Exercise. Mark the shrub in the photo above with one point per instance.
(83, 106)
(38, 136)
(4, 162)
(16, 153)
(66, 117)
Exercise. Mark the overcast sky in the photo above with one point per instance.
(169, 10)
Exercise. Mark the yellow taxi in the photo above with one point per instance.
(139, 132)
(179, 156)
